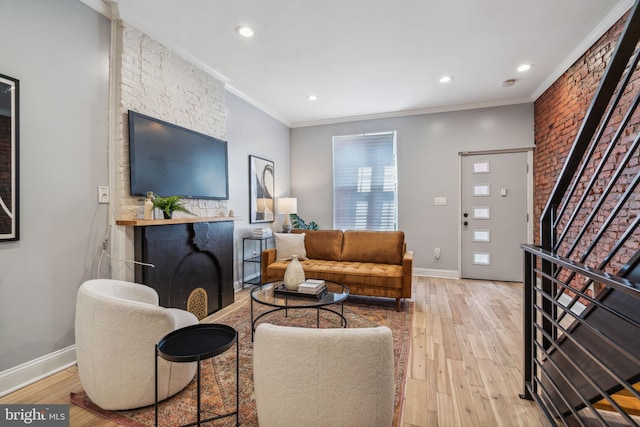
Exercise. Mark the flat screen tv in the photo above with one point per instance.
(173, 161)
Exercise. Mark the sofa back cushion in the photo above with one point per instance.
(322, 244)
(383, 247)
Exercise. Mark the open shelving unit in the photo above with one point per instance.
(251, 261)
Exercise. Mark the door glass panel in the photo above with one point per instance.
(481, 212)
(481, 190)
(481, 167)
(481, 236)
(481, 258)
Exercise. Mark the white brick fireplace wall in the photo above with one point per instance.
(153, 80)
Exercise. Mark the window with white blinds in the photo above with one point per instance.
(365, 182)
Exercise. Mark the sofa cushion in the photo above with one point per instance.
(383, 247)
(288, 245)
(323, 244)
(347, 273)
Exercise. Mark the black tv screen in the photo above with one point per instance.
(173, 161)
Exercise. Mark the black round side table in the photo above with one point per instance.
(193, 344)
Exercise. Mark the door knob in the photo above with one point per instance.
(465, 223)
(465, 214)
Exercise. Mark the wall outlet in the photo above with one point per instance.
(436, 253)
(104, 195)
(440, 201)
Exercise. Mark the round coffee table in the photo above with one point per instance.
(193, 344)
(267, 295)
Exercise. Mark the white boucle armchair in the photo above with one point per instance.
(117, 327)
(323, 377)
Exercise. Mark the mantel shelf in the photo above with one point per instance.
(187, 220)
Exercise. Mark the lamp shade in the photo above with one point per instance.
(287, 205)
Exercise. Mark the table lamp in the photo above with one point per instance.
(287, 206)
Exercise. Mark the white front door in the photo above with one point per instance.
(494, 215)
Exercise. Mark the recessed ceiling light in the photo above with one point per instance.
(244, 31)
(445, 79)
(524, 67)
(312, 97)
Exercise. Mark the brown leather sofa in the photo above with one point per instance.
(372, 263)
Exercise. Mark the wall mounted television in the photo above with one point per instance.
(174, 161)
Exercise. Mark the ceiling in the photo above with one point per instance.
(375, 58)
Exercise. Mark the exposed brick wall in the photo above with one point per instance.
(153, 80)
(559, 113)
(5, 172)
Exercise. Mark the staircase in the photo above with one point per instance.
(582, 284)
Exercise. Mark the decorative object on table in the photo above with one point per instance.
(312, 287)
(168, 205)
(148, 208)
(288, 245)
(9, 174)
(261, 190)
(294, 274)
(287, 206)
(298, 223)
(262, 232)
(283, 291)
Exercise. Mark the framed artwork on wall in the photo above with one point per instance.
(261, 190)
(9, 127)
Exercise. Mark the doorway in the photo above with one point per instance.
(496, 209)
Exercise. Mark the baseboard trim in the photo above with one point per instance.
(37, 369)
(432, 272)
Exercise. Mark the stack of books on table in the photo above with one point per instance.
(261, 233)
(313, 287)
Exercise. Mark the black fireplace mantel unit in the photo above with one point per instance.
(192, 258)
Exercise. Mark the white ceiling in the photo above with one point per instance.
(375, 58)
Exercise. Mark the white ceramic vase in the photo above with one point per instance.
(294, 274)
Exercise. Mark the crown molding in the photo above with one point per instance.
(417, 112)
(105, 7)
(256, 104)
(101, 6)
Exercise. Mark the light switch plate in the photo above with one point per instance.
(104, 195)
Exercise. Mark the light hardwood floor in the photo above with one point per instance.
(465, 366)
(466, 356)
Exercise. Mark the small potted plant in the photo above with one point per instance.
(168, 205)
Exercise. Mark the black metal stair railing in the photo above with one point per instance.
(582, 293)
(590, 354)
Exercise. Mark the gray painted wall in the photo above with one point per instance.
(252, 132)
(60, 53)
(428, 147)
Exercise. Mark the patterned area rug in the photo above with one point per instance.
(218, 373)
